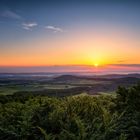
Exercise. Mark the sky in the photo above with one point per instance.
(40, 33)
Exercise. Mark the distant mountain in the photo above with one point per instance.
(136, 75)
(67, 77)
(95, 77)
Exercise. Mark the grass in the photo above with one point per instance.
(82, 94)
(112, 93)
(7, 91)
(11, 88)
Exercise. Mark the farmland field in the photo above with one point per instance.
(90, 85)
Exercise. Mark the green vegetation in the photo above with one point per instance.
(11, 89)
(102, 117)
(91, 85)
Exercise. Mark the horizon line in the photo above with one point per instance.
(100, 65)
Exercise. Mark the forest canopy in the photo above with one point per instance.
(102, 117)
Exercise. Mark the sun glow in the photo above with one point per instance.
(96, 64)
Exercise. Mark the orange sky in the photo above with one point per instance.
(73, 48)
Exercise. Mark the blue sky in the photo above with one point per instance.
(18, 16)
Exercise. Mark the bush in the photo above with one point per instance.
(102, 117)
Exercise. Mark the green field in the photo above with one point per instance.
(13, 87)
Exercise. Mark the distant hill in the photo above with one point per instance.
(105, 83)
(96, 77)
(135, 75)
(66, 78)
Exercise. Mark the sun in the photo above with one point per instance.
(96, 64)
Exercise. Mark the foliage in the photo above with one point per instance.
(101, 117)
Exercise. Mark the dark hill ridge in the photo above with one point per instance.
(135, 75)
(96, 77)
(127, 80)
(73, 77)
(66, 77)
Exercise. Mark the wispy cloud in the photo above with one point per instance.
(127, 65)
(121, 61)
(10, 14)
(54, 29)
(29, 26)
